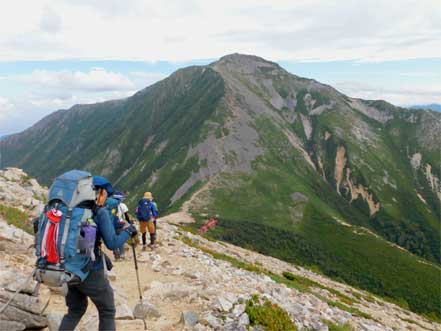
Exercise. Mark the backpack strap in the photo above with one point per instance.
(65, 232)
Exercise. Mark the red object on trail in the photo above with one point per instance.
(208, 225)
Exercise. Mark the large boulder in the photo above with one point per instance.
(30, 320)
(11, 325)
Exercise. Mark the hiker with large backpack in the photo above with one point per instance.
(118, 210)
(68, 245)
(146, 214)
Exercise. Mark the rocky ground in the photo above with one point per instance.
(188, 284)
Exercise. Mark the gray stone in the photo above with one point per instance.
(189, 318)
(123, 312)
(199, 327)
(233, 326)
(244, 319)
(132, 325)
(91, 323)
(54, 320)
(211, 320)
(238, 310)
(13, 281)
(222, 304)
(144, 310)
(30, 320)
(24, 302)
(11, 325)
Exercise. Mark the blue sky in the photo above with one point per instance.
(60, 53)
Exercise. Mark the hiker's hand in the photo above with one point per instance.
(131, 230)
(133, 241)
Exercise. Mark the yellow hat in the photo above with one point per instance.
(148, 195)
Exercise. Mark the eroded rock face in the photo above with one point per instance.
(340, 163)
(433, 181)
(345, 180)
(360, 190)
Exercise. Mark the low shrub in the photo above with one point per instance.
(270, 316)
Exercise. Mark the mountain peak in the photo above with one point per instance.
(243, 63)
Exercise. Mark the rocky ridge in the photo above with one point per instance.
(191, 283)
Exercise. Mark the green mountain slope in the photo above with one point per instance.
(292, 167)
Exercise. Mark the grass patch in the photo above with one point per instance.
(270, 316)
(352, 310)
(338, 327)
(16, 217)
(308, 283)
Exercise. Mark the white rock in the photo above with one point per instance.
(54, 320)
(244, 319)
(239, 310)
(189, 318)
(211, 320)
(123, 312)
(222, 304)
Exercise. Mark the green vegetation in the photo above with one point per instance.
(308, 283)
(408, 320)
(354, 311)
(16, 217)
(338, 327)
(270, 316)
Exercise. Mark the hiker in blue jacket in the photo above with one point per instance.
(147, 214)
(96, 286)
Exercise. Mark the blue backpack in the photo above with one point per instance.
(112, 204)
(143, 211)
(66, 235)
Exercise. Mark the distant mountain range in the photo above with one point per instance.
(432, 106)
(291, 167)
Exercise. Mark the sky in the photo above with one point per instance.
(54, 54)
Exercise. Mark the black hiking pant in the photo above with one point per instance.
(97, 287)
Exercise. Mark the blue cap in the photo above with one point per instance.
(103, 183)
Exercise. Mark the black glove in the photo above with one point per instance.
(131, 230)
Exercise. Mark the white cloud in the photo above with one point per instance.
(177, 31)
(95, 80)
(397, 96)
(5, 105)
(50, 21)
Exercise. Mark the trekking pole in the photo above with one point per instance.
(25, 283)
(139, 284)
(136, 268)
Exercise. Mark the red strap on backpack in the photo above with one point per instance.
(50, 238)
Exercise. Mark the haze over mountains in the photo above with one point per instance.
(292, 168)
(432, 106)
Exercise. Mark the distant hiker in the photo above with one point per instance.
(147, 214)
(118, 210)
(68, 246)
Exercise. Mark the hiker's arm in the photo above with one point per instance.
(105, 226)
(154, 211)
(127, 217)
